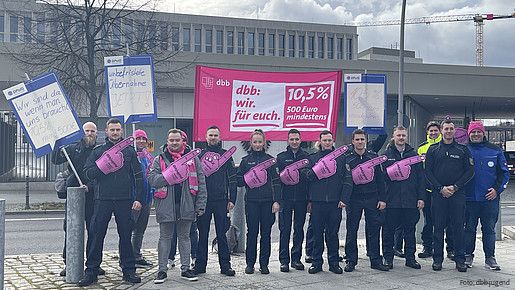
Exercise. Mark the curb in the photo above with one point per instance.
(39, 211)
(509, 231)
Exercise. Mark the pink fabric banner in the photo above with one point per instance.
(240, 101)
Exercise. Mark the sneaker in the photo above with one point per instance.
(87, 280)
(142, 263)
(193, 260)
(161, 278)
(171, 264)
(63, 272)
(491, 263)
(189, 275)
(469, 259)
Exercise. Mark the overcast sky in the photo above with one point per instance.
(451, 43)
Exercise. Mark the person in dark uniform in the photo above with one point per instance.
(368, 194)
(405, 191)
(449, 166)
(220, 171)
(329, 182)
(258, 173)
(115, 167)
(294, 200)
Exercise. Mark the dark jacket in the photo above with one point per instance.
(116, 185)
(374, 190)
(271, 190)
(299, 191)
(405, 193)
(78, 153)
(221, 185)
(448, 164)
(331, 189)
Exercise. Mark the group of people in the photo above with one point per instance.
(192, 185)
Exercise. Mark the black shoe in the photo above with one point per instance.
(265, 270)
(398, 253)
(189, 275)
(131, 278)
(380, 267)
(341, 258)
(63, 272)
(297, 265)
(142, 263)
(426, 253)
(87, 280)
(308, 259)
(101, 272)
(450, 255)
(349, 267)
(437, 266)
(388, 264)
(461, 267)
(314, 269)
(336, 269)
(249, 270)
(285, 268)
(161, 277)
(198, 271)
(228, 272)
(413, 264)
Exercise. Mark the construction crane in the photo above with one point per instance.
(477, 18)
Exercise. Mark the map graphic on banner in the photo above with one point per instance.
(365, 102)
(130, 88)
(240, 101)
(45, 113)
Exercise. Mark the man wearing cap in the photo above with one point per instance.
(482, 194)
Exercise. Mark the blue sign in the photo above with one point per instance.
(45, 113)
(365, 102)
(130, 88)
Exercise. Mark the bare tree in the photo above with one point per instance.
(73, 37)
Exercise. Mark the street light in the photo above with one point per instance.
(400, 105)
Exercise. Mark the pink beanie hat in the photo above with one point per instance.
(476, 125)
(140, 133)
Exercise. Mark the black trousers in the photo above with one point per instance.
(374, 220)
(218, 209)
(296, 211)
(326, 218)
(406, 219)
(88, 214)
(260, 219)
(427, 231)
(448, 212)
(102, 213)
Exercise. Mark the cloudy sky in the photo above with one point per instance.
(452, 43)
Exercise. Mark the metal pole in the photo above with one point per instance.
(238, 219)
(75, 234)
(498, 225)
(2, 241)
(400, 105)
(72, 166)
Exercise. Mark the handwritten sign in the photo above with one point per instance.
(130, 88)
(45, 113)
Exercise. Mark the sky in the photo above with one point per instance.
(445, 43)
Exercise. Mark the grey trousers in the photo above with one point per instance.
(183, 241)
(140, 218)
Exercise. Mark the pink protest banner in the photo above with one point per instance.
(240, 101)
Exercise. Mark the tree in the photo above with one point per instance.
(73, 37)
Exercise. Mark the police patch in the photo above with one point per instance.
(471, 161)
(491, 164)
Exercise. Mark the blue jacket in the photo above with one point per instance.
(148, 191)
(490, 168)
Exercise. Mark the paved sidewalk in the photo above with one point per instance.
(42, 272)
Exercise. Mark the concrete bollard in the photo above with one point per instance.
(498, 226)
(2, 241)
(75, 234)
(238, 219)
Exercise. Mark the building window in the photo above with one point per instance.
(301, 45)
(14, 28)
(330, 48)
(163, 35)
(40, 28)
(250, 43)
(186, 39)
(117, 32)
(339, 48)
(311, 46)
(241, 41)
(27, 29)
(209, 40)
(349, 48)
(320, 47)
(291, 45)
(261, 44)
(128, 25)
(2, 28)
(271, 44)
(175, 38)
(230, 42)
(219, 41)
(281, 44)
(198, 40)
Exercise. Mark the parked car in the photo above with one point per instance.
(510, 159)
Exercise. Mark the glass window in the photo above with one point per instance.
(219, 41)
(117, 32)
(230, 42)
(330, 49)
(186, 40)
(281, 44)
(349, 48)
(198, 40)
(209, 40)
(301, 38)
(339, 48)
(128, 29)
(291, 45)
(320, 47)
(311, 46)
(151, 34)
(2, 28)
(164, 35)
(250, 43)
(241, 40)
(271, 44)
(175, 38)
(261, 44)
(40, 28)
(14, 28)
(27, 29)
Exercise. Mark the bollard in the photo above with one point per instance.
(2, 241)
(27, 195)
(498, 226)
(75, 234)
(238, 219)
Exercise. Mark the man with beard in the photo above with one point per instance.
(79, 153)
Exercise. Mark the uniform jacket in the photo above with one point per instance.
(424, 146)
(299, 191)
(271, 190)
(221, 185)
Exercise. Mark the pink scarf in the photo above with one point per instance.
(192, 169)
